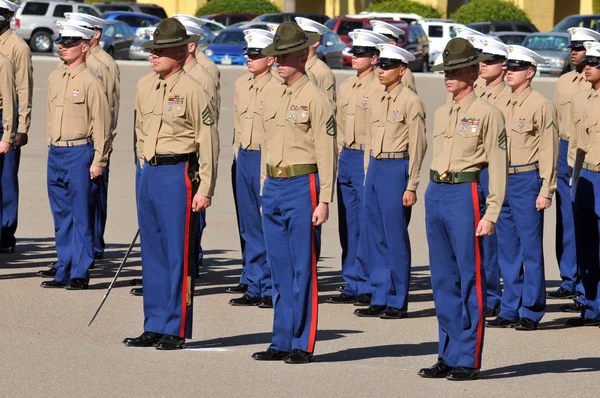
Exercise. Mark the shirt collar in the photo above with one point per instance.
(190, 65)
(365, 80)
(396, 91)
(172, 80)
(262, 82)
(522, 96)
(466, 102)
(75, 71)
(495, 90)
(4, 36)
(295, 88)
(311, 61)
(95, 50)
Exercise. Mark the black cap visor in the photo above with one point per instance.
(67, 39)
(576, 45)
(252, 51)
(389, 63)
(590, 59)
(495, 58)
(362, 50)
(516, 62)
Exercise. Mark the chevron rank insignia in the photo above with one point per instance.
(502, 140)
(331, 127)
(207, 116)
(551, 124)
(418, 115)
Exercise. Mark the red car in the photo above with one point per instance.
(343, 25)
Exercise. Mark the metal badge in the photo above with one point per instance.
(394, 114)
(75, 93)
(521, 122)
(261, 105)
(364, 100)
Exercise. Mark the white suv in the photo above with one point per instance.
(439, 32)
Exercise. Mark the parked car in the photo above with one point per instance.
(229, 19)
(510, 37)
(330, 50)
(35, 21)
(395, 16)
(439, 32)
(285, 17)
(503, 26)
(553, 47)
(117, 37)
(135, 20)
(250, 25)
(212, 26)
(137, 52)
(228, 48)
(582, 21)
(344, 25)
(130, 6)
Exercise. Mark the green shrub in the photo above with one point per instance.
(406, 6)
(489, 10)
(237, 6)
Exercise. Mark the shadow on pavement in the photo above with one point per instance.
(581, 365)
(263, 338)
(384, 351)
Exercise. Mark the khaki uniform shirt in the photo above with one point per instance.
(576, 116)
(250, 105)
(353, 101)
(408, 80)
(8, 94)
(176, 118)
(142, 89)
(78, 108)
(494, 95)
(469, 135)
(241, 88)
(397, 121)
(588, 142)
(299, 122)
(108, 82)
(115, 75)
(209, 65)
(15, 48)
(532, 135)
(324, 76)
(479, 86)
(197, 71)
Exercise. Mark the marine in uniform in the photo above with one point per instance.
(250, 102)
(78, 135)
(178, 148)
(567, 86)
(586, 177)
(465, 32)
(394, 153)
(354, 99)
(532, 149)
(96, 58)
(17, 50)
(393, 33)
(323, 74)
(202, 59)
(299, 162)
(468, 136)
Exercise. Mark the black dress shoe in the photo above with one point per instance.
(437, 371)
(561, 293)
(341, 299)
(136, 282)
(393, 313)
(500, 322)
(526, 324)
(239, 288)
(266, 302)
(47, 273)
(99, 256)
(370, 311)
(270, 355)
(362, 300)
(77, 284)
(340, 288)
(245, 301)
(462, 373)
(169, 342)
(53, 284)
(137, 291)
(146, 339)
(575, 307)
(582, 321)
(297, 357)
(7, 249)
(490, 313)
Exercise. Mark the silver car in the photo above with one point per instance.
(553, 47)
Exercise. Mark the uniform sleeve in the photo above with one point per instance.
(138, 130)
(329, 85)
(339, 122)
(323, 125)
(583, 139)
(207, 138)
(235, 144)
(98, 110)
(24, 86)
(116, 77)
(409, 80)
(495, 148)
(573, 128)
(9, 100)
(109, 83)
(417, 142)
(548, 152)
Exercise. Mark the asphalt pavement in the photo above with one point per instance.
(48, 350)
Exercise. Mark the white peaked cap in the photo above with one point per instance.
(520, 53)
(583, 34)
(192, 27)
(463, 31)
(494, 47)
(389, 51)
(366, 38)
(258, 38)
(273, 27)
(592, 49)
(85, 20)
(308, 25)
(385, 28)
(68, 29)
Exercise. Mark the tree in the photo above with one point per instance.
(237, 6)
(406, 6)
(489, 10)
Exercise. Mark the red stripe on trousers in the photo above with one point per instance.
(186, 250)
(314, 297)
(476, 210)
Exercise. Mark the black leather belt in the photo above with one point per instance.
(164, 160)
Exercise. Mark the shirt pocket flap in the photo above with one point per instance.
(522, 126)
(395, 116)
(177, 110)
(591, 123)
(76, 97)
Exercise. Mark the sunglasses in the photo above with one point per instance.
(493, 61)
(255, 57)
(516, 68)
